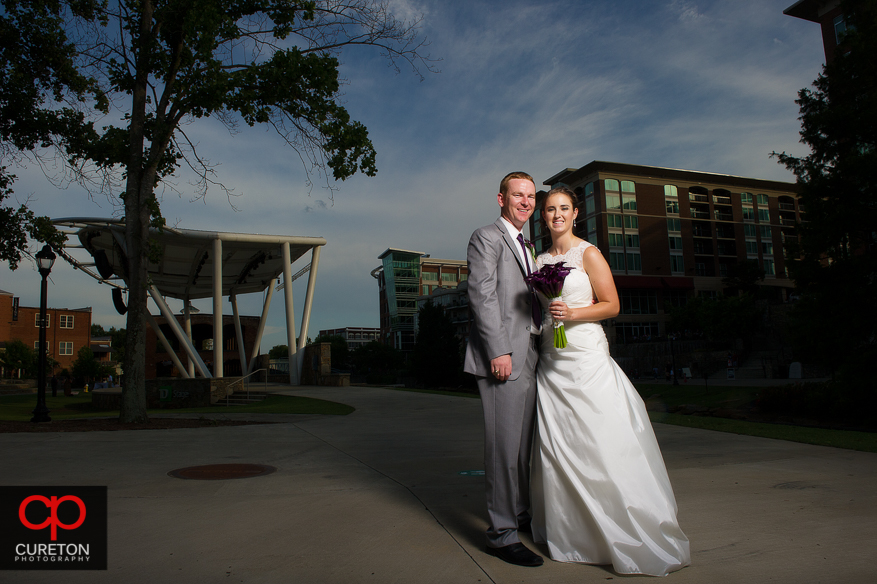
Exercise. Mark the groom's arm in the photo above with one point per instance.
(483, 260)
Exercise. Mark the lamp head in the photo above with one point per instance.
(46, 259)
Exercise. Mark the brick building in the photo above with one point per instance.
(67, 329)
(671, 234)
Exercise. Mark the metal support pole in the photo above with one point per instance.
(166, 344)
(238, 332)
(261, 328)
(309, 296)
(178, 332)
(290, 313)
(217, 308)
(187, 323)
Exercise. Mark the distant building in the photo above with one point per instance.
(826, 13)
(670, 234)
(160, 364)
(402, 277)
(355, 336)
(102, 347)
(67, 329)
(455, 302)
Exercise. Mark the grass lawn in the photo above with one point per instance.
(20, 407)
(848, 439)
(716, 396)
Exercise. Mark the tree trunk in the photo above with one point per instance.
(133, 407)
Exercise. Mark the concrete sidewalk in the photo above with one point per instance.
(383, 495)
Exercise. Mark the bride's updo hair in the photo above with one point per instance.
(562, 190)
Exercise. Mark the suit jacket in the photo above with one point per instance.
(499, 299)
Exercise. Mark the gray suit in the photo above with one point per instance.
(501, 306)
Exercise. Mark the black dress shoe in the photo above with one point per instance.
(516, 553)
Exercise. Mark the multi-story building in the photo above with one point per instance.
(356, 336)
(403, 276)
(671, 234)
(828, 14)
(67, 329)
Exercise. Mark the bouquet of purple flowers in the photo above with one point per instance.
(548, 280)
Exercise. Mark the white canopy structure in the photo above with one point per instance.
(189, 269)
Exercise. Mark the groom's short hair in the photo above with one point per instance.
(504, 183)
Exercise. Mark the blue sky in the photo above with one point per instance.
(523, 85)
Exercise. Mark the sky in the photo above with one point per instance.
(520, 85)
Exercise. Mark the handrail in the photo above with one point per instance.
(244, 378)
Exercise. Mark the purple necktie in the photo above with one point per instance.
(534, 301)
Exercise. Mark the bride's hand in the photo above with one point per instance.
(560, 311)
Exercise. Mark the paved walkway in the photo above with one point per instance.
(381, 496)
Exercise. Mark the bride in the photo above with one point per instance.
(599, 489)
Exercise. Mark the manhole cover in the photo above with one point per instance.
(220, 472)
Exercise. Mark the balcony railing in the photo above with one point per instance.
(724, 216)
(787, 206)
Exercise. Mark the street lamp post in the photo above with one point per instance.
(45, 259)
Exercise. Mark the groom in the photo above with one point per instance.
(502, 354)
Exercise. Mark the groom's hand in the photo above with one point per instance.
(501, 367)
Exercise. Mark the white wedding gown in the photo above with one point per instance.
(599, 488)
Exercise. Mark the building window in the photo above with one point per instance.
(589, 189)
(763, 216)
(631, 222)
(424, 290)
(752, 248)
(672, 207)
(670, 191)
(675, 243)
(638, 302)
(611, 184)
(449, 278)
(65, 348)
(464, 277)
(590, 206)
(591, 225)
(762, 200)
(631, 240)
(746, 198)
(429, 277)
(36, 320)
(616, 261)
(674, 225)
(634, 262)
(614, 221)
(748, 214)
(616, 240)
(767, 248)
(628, 332)
(677, 266)
(613, 202)
(840, 28)
(749, 231)
(36, 345)
(628, 195)
(769, 267)
(66, 321)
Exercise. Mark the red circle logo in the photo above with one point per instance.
(52, 521)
